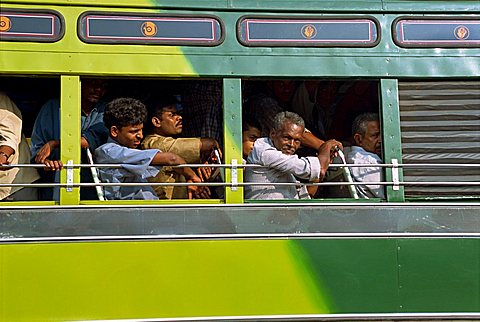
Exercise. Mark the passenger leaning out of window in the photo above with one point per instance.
(167, 126)
(124, 117)
(276, 155)
(45, 143)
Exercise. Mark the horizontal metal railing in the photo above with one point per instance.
(243, 184)
(449, 316)
(240, 184)
(226, 165)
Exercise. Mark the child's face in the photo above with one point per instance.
(248, 140)
(129, 136)
(170, 124)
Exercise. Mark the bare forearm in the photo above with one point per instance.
(208, 144)
(54, 144)
(167, 158)
(311, 141)
(206, 147)
(188, 173)
(326, 153)
(84, 143)
(46, 150)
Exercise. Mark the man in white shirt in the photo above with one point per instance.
(367, 150)
(279, 163)
(14, 150)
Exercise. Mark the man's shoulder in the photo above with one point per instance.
(156, 141)
(6, 104)
(100, 106)
(261, 146)
(115, 152)
(109, 146)
(52, 104)
(112, 147)
(49, 109)
(359, 155)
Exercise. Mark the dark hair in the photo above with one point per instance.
(281, 117)
(360, 123)
(159, 103)
(249, 122)
(124, 111)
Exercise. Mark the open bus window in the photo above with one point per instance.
(328, 108)
(30, 94)
(21, 101)
(184, 118)
(197, 125)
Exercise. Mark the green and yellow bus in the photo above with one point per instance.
(413, 255)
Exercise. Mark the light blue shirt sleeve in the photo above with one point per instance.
(46, 128)
(135, 168)
(136, 162)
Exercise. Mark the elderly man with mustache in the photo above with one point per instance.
(276, 155)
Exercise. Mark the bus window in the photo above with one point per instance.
(440, 124)
(24, 97)
(328, 108)
(185, 118)
(29, 94)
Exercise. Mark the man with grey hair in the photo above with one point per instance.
(279, 163)
(367, 150)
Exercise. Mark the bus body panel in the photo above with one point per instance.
(95, 260)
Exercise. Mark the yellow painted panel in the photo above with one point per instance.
(71, 56)
(112, 280)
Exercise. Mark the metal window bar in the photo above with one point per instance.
(95, 176)
(242, 184)
(381, 165)
(228, 184)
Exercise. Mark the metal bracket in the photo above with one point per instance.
(234, 175)
(395, 175)
(69, 176)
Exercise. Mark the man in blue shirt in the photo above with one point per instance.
(124, 117)
(45, 141)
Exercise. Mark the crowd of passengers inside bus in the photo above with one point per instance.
(292, 130)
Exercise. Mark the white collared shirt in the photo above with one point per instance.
(366, 174)
(278, 167)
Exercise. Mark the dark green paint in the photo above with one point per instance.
(439, 275)
(391, 134)
(309, 6)
(359, 275)
(386, 60)
(396, 275)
